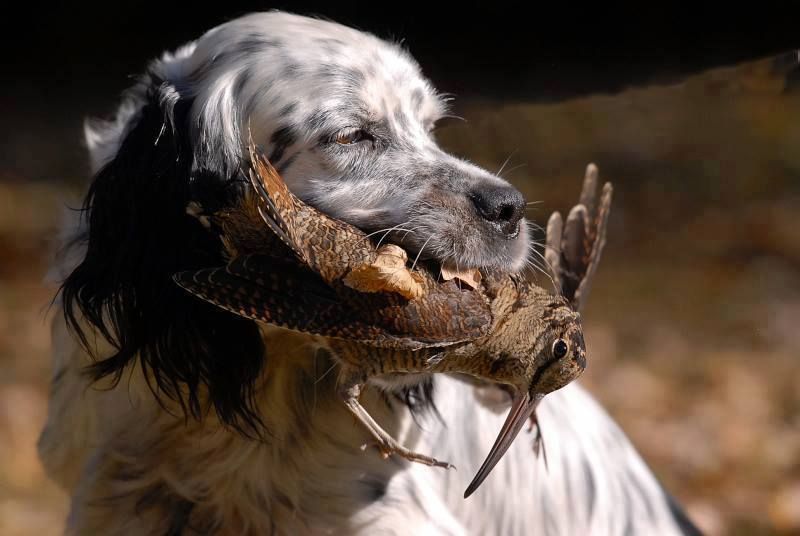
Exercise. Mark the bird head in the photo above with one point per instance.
(543, 351)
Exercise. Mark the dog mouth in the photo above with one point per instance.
(466, 232)
(445, 228)
(458, 243)
(515, 234)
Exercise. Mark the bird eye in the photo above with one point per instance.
(352, 136)
(560, 348)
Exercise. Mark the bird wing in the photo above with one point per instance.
(287, 294)
(328, 246)
(446, 312)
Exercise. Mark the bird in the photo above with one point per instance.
(503, 330)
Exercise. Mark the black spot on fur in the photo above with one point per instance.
(248, 46)
(335, 75)
(318, 119)
(374, 489)
(241, 82)
(287, 110)
(419, 400)
(284, 165)
(290, 70)
(139, 236)
(281, 140)
(354, 77)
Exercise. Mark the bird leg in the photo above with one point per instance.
(350, 386)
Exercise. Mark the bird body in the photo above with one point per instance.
(294, 266)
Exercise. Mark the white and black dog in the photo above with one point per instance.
(220, 425)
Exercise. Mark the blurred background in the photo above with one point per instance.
(693, 321)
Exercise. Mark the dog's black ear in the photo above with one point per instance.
(138, 236)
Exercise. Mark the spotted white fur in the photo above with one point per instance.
(296, 82)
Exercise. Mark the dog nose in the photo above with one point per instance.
(503, 206)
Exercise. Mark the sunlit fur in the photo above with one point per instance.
(158, 452)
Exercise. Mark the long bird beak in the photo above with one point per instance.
(521, 410)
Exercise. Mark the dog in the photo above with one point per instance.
(168, 416)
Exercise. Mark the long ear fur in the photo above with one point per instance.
(139, 236)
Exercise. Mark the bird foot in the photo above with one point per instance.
(388, 446)
(350, 389)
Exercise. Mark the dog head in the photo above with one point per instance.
(345, 117)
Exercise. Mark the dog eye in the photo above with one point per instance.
(352, 136)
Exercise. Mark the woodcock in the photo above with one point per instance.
(326, 277)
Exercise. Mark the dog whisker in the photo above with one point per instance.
(397, 228)
(409, 231)
(518, 166)
(508, 158)
(535, 226)
(451, 116)
(543, 268)
(420, 252)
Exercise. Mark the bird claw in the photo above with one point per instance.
(389, 448)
